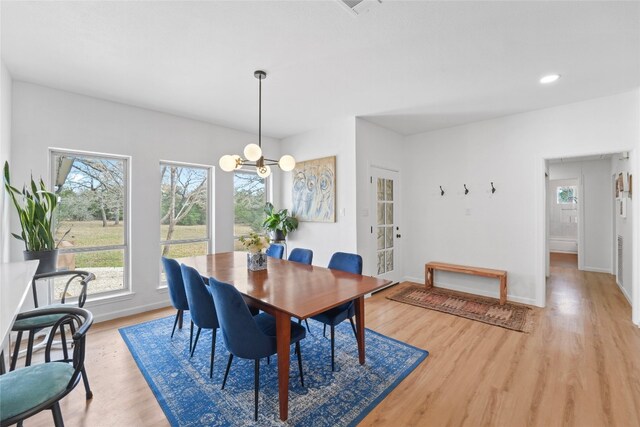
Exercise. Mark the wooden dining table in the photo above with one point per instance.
(289, 289)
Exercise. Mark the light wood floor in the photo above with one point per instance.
(580, 367)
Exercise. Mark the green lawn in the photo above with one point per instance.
(92, 233)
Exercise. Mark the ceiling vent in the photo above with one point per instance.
(358, 7)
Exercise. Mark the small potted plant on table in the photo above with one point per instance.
(255, 244)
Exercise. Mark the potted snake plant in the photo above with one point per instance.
(35, 206)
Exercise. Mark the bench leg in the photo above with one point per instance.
(428, 278)
(503, 290)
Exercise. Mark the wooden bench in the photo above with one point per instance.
(430, 267)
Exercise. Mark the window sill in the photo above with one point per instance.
(108, 299)
(162, 288)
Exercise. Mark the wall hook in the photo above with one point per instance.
(466, 190)
(441, 191)
(493, 189)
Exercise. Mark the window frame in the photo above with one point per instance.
(267, 193)
(209, 234)
(126, 218)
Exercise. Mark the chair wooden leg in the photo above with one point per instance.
(16, 351)
(300, 362)
(3, 368)
(353, 326)
(191, 337)
(57, 415)
(226, 372)
(175, 322)
(213, 351)
(256, 387)
(181, 314)
(195, 343)
(29, 348)
(333, 344)
(87, 388)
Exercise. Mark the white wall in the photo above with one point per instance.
(379, 147)
(624, 228)
(44, 118)
(5, 154)
(504, 230)
(335, 139)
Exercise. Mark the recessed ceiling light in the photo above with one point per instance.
(550, 78)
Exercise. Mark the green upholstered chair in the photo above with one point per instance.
(32, 389)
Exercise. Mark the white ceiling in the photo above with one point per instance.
(408, 65)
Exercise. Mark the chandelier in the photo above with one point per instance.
(253, 152)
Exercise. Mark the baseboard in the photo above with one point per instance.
(596, 270)
(624, 292)
(130, 311)
(475, 291)
(559, 251)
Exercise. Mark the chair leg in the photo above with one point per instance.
(191, 337)
(256, 386)
(16, 351)
(324, 330)
(333, 344)
(85, 380)
(353, 326)
(175, 322)
(57, 415)
(213, 351)
(181, 314)
(268, 360)
(195, 343)
(226, 372)
(306, 322)
(300, 362)
(29, 348)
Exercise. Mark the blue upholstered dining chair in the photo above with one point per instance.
(303, 256)
(30, 390)
(351, 263)
(246, 336)
(203, 311)
(275, 251)
(177, 294)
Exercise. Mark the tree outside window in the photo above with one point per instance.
(567, 195)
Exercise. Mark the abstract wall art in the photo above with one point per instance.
(314, 190)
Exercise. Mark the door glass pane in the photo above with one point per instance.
(389, 189)
(389, 213)
(389, 260)
(381, 263)
(381, 189)
(107, 266)
(381, 211)
(91, 191)
(389, 237)
(381, 237)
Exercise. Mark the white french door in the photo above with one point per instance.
(386, 219)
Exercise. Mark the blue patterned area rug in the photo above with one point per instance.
(189, 397)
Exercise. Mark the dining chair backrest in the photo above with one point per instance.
(240, 332)
(201, 307)
(175, 284)
(351, 263)
(275, 251)
(304, 256)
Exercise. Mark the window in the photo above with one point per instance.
(249, 198)
(92, 220)
(184, 210)
(567, 195)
